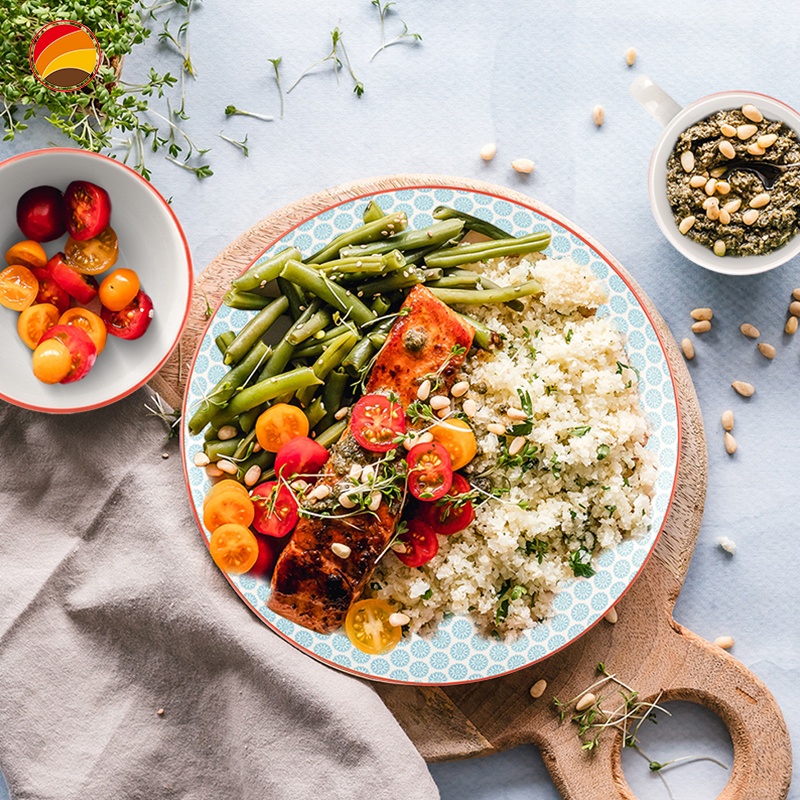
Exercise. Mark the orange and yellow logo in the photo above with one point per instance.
(64, 55)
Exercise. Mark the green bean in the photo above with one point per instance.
(316, 411)
(261, 274)
(264, 390)
(246, 445)
(247, 419)
(331, 435)
(216, 449)
(483, 251)
(294, 294)
(378, 339)
(223, 341)
(471, 223)
(485, 283)
(418, 256)
(314, 348)
(333, 294)
(250, 301)
(353, 264)
(252, 332)
(432, 274)
(380, 305)
(263, 459)
(219, 396)
(380, 228)
(328, 361)
(485, 337)
(436, 234)
(455, 282)
(332, 394)
(359, 356)
(397, 280)
(210, 433)
(281, 356)
(372, 212)
(318, 321)
(487, 296)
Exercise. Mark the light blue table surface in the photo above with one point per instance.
(526, 75)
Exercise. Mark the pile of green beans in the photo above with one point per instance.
(341, 303)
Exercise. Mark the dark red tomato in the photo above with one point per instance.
(88, 210)
(452, 513)
(420, 542)
(132, 321)
(300, 456)
(40, 214)
(82, 287)
(50, 291)
(265, 560)
(80, 346)
(276, 509)
(376, 422)
(430, 474)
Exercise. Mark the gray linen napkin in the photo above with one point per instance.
(111, 610)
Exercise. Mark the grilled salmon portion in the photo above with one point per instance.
(311, 585)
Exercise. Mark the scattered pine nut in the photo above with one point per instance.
(399, 547)
(711, 185)
(165, 455)
(516, 445)
(299, 485)
(341, 550)
(439, 401)
(727, 420)
(712, 212)
(710, 201)
(227, 466)
(760, 200)
(794, 308)
(160, 712)
(598, 115)
(746, 131)
(727, 130)
(319, 492)
(701, 313)
(257, 448)
(252, 475)
(367, 474)
(701, 327)
(538, 688)
(750, 331)
(424, 391)
(354, 472)
(796, 294)
(523, 165)
(750, 216)
(717, 172)
(686, 224)
(687, 160)
(752, 113)
(719, 248)
(743, 388)
(517, 414)
(688, 349)
(459, 389)
(696, 181)
(496, 427)
(213, 471)
(730, 444)
(630, 56)
(728, 545)
(755, 150)
(611, 616)
(426, 437)
(724, 217)
(766, 350)
(201, 459)
(586, 701)
(375, 501)
(488, 151)
(724, 642)
(727, 149)
(345, 501)
(732, 206)
(341, 413)
(791, 326)
(470, 407)
(767, 140)
(723, 187)
(226, 432)
(398, 619)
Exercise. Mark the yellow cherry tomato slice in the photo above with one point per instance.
(280, 424)
(226, 485)
(18, 287)
(34, 321)
(89, 322)
(118, 289)
(367, 626)
(27, 254)
(228, 507)
(458, 439)
(93, 256)
(52, 361)
(234, 548)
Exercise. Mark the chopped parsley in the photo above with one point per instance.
(581, 567)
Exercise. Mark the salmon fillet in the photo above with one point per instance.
(310, 585)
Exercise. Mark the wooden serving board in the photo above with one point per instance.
(646, 648)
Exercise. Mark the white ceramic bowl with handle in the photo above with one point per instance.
(677, 119)
(151, 242)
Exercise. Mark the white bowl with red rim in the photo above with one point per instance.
(151, 242)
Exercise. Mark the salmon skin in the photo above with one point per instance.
(311, 585)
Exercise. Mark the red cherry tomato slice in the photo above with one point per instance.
(82, 287)
(450, 514)
(276, 509)
(132, 321)
(265, 560)
(50, 292)
(80, 346)
(376, 422)
(40, 214)
(300, 456)
(88, 209)
(420, 542)
(430, 474)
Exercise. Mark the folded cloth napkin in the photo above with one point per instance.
(128, 666)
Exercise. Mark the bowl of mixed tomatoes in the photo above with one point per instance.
(95, 280)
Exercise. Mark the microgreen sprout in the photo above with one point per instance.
(162, 411)
(383, 10)
(337, 47)
(231, 111)
(241, 145)
(276, 63)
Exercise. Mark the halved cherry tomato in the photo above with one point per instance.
(276, 509)
(265, 561)
(452, 513)
(300, 456)
(80, 346)
(234, 548)
(224, 486)
(227, 507)
(280, 424)
(95, 255)
(88, 209)
(87, 321)
(18, 287)
(50, 291)
(376, 422)
(132, 321)
(118, 289)
(28, 253)
(368, 628)
(40, 214)
(458, 439)
(420, 542)
(52, 361)
(34, 321)
(82, 287)
(430, 474)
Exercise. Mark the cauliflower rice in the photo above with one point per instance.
(583, 481)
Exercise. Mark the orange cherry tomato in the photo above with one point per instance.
(18, 287)
(280, 424)
(228, 507)
(34, 322)
(118, 289)
(89, 322)
(367, 626)
(234, 548)
(226, 485)
(52, 361)
(27, 253)
(93, 256)
(458, 439)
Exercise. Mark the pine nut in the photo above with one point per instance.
(345, 501)
(426, 437)
(398, 619)
(341, 413)
(712, 212)
(598, 115)
(226, 432)
(791, 326)
(766, 350)
(686, 224)
(701, 313)
(760, 200)
(538, 689)
(711, 185)
(375, 501)
(730, 444)
(399, 547)
(717, 172)
(523, 165)
(796, 294)
(516, 445)
(746, 131)
(227, 466)
(767, 140)
(488, 151)
(320, 492)
(299, 485)
(750, 331)
(696, 181)
(732, 206)
(719, 248)
(368, 474)
(496, 427)
(459, 389)
(257, 448)
(612, 616)
(630, 56)
(794, 308)
(752, 113)
(724, 217)
(727, 130)
(723, 187)
(710, 201)
(701, 327)
(424, 391)
(750, 216)
(201, 459)
(725, 642)
(688, 348)
(727, 149)
(341, 550)
(517, 414)
(213, 471)
(744, 389)
(469, 407)
(439, 401)
(585, 702)
(687, 160)
(355, 472)
(755, 150)
(252, 475)
(727, 420)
